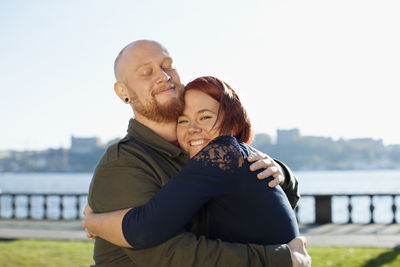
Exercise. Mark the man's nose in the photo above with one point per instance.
(163, 76)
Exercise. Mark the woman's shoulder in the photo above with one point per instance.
(223, 152)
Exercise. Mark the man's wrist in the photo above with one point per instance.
(285, 173)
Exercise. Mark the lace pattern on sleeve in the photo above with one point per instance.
(223, 153)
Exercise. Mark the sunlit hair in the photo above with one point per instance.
(234, 115)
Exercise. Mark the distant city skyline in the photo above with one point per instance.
(328, 68)
(104, 142)
(298, 151)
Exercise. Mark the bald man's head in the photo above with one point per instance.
(148, 81)
(131, 48)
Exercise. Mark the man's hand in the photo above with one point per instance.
(263, 161)
(300, 257)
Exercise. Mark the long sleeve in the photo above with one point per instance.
(184, 249)
(171, 208)
(291, 185)
(130, 181)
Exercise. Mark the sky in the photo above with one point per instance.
(328, 68)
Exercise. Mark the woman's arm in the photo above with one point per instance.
(162, 217)
(171, 208)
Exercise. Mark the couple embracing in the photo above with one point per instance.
(184, 187)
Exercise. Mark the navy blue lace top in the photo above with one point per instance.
(241, 208)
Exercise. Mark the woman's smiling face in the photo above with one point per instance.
(199, 123)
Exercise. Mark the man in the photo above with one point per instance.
(134, 169)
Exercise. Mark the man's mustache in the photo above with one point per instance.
(170, 85)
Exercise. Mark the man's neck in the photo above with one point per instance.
(166, 130)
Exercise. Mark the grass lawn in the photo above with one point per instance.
(35, 253)
(354, 257)
(64, 253)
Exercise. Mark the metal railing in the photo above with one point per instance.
(69, 206)
(324, 211)
(56, 206)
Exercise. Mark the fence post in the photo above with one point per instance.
(323, 209)
(45, 207)
(394, 208)
(30, 206)
(349, 208)
(371, 208)
(14, 206)
(78, 207)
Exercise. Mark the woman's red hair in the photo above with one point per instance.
(234, 116)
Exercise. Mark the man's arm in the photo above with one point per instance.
(185, 250)
(119, 186)
(281, 173)
(290, 186)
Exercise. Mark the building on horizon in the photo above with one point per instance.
(285, 137)
(85, 145)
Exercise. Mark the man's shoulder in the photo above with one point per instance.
(123, 162)
(123, 178)
(111, 153)
(124, 151)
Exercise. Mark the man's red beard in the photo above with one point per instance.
(155, 111)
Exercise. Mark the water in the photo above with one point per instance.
(45, 182)
(310, 182)
(336, 182)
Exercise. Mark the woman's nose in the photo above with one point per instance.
(193, 127)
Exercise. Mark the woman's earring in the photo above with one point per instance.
(126, 100)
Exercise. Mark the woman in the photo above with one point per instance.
(215, 130)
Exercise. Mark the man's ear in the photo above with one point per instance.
(121, 91)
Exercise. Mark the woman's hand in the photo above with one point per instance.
(87, 211)
(106, 225)
(272, 168)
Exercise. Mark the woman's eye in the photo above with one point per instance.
(205, 118)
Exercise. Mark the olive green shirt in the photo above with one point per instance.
(130, 173)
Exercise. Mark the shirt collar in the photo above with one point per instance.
(144, 134)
